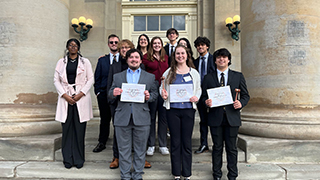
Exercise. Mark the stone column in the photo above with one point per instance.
(32, 39)
(280, 56)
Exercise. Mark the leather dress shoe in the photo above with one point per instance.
(202, 149)
(67, 165)
(114, 164)
(147, 165)
(99, 147)
(79, 166)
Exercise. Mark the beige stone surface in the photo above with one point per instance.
(33, 38)
(279, 60)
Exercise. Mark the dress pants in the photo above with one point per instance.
(227, 134)
(202, 109)
(181, 122)
(73, 134)
(162, 123)
(105, 117)
(128, 136)
(115, 144)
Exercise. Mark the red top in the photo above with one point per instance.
(156, 67)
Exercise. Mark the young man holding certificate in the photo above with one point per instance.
(133, 89)
(224, 120)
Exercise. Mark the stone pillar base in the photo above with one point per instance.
(259, 149)
(35, 148)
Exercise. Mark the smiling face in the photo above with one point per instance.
(113, 44)
(143, 41)
(183, 43)
(134, 61)
(156, 45)
(202, 49)
(172, 36)
(181, 55)
(222, 62)
(73, 47)
(124, 48)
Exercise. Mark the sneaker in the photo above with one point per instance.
(164, 150)
(150, 151)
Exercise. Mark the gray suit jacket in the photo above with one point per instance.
(140, 111)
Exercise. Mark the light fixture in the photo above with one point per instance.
(82, 21)
(234, 31)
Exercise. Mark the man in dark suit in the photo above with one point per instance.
(224, 121)
(172, 35)
(100, 89)
(205, 65)
(132, 119)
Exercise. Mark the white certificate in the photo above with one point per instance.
(133, 92)
(181, 92)
(220, 96)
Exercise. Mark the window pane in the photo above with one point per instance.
(179, 22)
(153, 23)
(166, 22)
(139, 23)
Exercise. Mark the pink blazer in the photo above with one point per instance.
(84, 81)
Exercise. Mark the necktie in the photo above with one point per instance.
(114, 58)
(203, 68)
(171, 50)
(222, 79)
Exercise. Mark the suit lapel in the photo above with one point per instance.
(215, 79)
(230, 76)
(142, 76)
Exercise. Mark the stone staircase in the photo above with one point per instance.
(96, 166)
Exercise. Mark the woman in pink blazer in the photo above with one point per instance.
(73, 79)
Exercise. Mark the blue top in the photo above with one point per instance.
(133, 77)
(180, 80)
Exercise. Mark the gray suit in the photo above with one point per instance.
(132, 125)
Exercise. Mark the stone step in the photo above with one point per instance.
(200, 171)
(91, 141)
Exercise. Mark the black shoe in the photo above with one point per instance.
(99, 147)
(216, 178)
(79, 166)
(67, 165)
(202, 149)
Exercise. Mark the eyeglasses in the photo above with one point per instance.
(71, 46)
(143, 39)
(113, 42)
(125, 47)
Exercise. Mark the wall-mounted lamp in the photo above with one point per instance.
(234, 31)
(82, 22)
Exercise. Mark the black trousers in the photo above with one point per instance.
(162, 123)
(73, 134)
(181, 122)
(228, 135)
(202, 109)
(105, 117)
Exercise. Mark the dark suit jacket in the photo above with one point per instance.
(166, 48)
(210, 64)
(101, 74)
(210, 68)
(140, 111)
(236, 81)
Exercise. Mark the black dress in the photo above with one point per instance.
(73, 132)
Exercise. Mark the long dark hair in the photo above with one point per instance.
(138, 46)
(172, 72)
(68, 43)
(188, 46)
